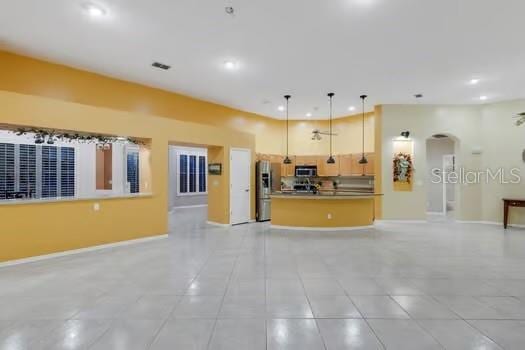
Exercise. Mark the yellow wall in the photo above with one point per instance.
(34, 229)
(43, 94)
(35, 77)
(302, 212)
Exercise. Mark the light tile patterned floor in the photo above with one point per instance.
(398, 286)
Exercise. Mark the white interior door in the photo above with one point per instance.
(449, 166)
(240, 186)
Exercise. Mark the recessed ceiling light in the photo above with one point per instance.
(231, 65)
(281, 108)
(308, 115)
(483, 98)
(351, 108)
(94, 10)
(473, 81)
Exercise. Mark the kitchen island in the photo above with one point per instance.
(326, 211)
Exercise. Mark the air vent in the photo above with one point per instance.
(161, 65)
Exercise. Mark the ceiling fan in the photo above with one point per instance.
(316, 134)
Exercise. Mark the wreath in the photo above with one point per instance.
(402, 167)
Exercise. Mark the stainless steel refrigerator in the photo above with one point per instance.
(268, 180)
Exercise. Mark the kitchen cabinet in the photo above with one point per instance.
(288, 169)
(345, 165)
(325, 169)
(356, 168)
(276, 159)
(306, 160)
(360, 169)
(370, 167)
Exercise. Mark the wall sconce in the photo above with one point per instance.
(405, 134)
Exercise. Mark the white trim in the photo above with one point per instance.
(435, 213)
(217, 224)
(249, 151)
(188, 152)
(401, 221)
(296, 228)
(81, 250)
(488, 223)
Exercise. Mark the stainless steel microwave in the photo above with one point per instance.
(306, 171)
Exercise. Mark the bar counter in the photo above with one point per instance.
(326, 211)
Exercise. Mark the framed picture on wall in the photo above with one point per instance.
(215, 169)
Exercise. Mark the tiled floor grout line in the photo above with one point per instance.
(224, 294)
(365, 320)
(181, 298)
(312, 310)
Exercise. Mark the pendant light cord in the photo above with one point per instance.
(363, 135)
(331, 95)
(287, 97)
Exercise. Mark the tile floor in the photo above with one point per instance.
(398, 286)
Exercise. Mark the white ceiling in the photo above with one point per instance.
(389, 49)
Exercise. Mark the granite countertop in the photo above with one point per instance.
(324, 195)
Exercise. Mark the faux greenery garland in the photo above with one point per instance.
(50, 136)
(402, 167)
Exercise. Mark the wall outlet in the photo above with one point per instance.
(329, 216)
(96, 206)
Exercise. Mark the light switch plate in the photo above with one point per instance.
(96, 207)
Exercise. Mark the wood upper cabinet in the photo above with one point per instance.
(306, 160)
(345, 165)
(370, 167)
(325, 169)
(357, 169)
(276, 158)
(288, 169)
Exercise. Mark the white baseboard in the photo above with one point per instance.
(190, 206)
(80, 250)
(435, 213)
(217, 224)
(488, 223)
(401, 221)
(294, 228)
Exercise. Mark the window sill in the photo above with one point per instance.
(74, 199)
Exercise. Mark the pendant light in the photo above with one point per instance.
(287, 160)
(331, 159)
(363, 159)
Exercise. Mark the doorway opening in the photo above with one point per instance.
(188, 186)
(441, 191)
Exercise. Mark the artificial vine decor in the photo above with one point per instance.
(50, 136)
(402, 168)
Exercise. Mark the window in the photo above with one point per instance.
(67, 171)
(202, 173)
(191, 171)
(132, 169)
(49, 172)
(31, 171)
(7, 170)
(27, 169)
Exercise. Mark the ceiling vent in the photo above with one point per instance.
(160, 65)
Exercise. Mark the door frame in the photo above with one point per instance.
(444, 187)
(232, 149)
